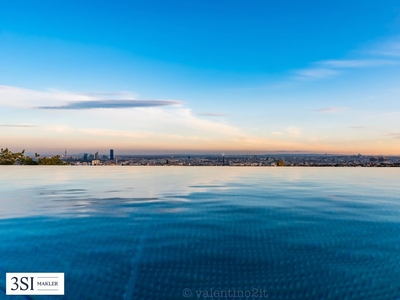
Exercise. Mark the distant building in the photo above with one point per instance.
(111, 154)
(90, 157)
(85, 157)
(96, 155)
(96, 162)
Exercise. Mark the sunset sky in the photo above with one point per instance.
(200, 76)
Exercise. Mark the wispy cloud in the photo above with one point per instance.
(17, 125)
(149, 115)
(55, 99)
(329, 68)
(389, 48)
(331, 109)
(113, 104)
(316, 73)
(291, 131)
(384, 115)
(356, 63)
(27, 98)
(209, 114)
(108, 95)
(395, 135)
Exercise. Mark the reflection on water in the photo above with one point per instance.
(151, 233)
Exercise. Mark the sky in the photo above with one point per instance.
(186, 77)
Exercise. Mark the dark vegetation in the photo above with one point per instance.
(18, 158)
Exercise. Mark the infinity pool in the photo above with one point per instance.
(204, 232)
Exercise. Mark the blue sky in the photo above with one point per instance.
(200, 76)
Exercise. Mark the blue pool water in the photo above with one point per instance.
(186, 232)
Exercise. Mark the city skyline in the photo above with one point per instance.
(200, 77)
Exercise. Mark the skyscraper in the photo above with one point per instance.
(96, 155)
(111, 154)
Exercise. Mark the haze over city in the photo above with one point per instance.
(200, 77)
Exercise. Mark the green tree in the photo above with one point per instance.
(9, 158)
(54, 160)
(29, 161)
(280, 163)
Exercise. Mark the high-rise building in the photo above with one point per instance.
(111, 154)
(85, 157)
(96, 155)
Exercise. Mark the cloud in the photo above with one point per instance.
(332, 67)
(293, 131)
(209, 114)
(19, 97)
(389, 48)
(356, 63)
(384, 115)
(17, 125)
(109, 95)
(316, 73)
(331, 109)
(113, 104)
(55, 99)
(186, 118)
(395, 135)
(149, 115)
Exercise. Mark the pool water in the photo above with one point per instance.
(204, 232)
